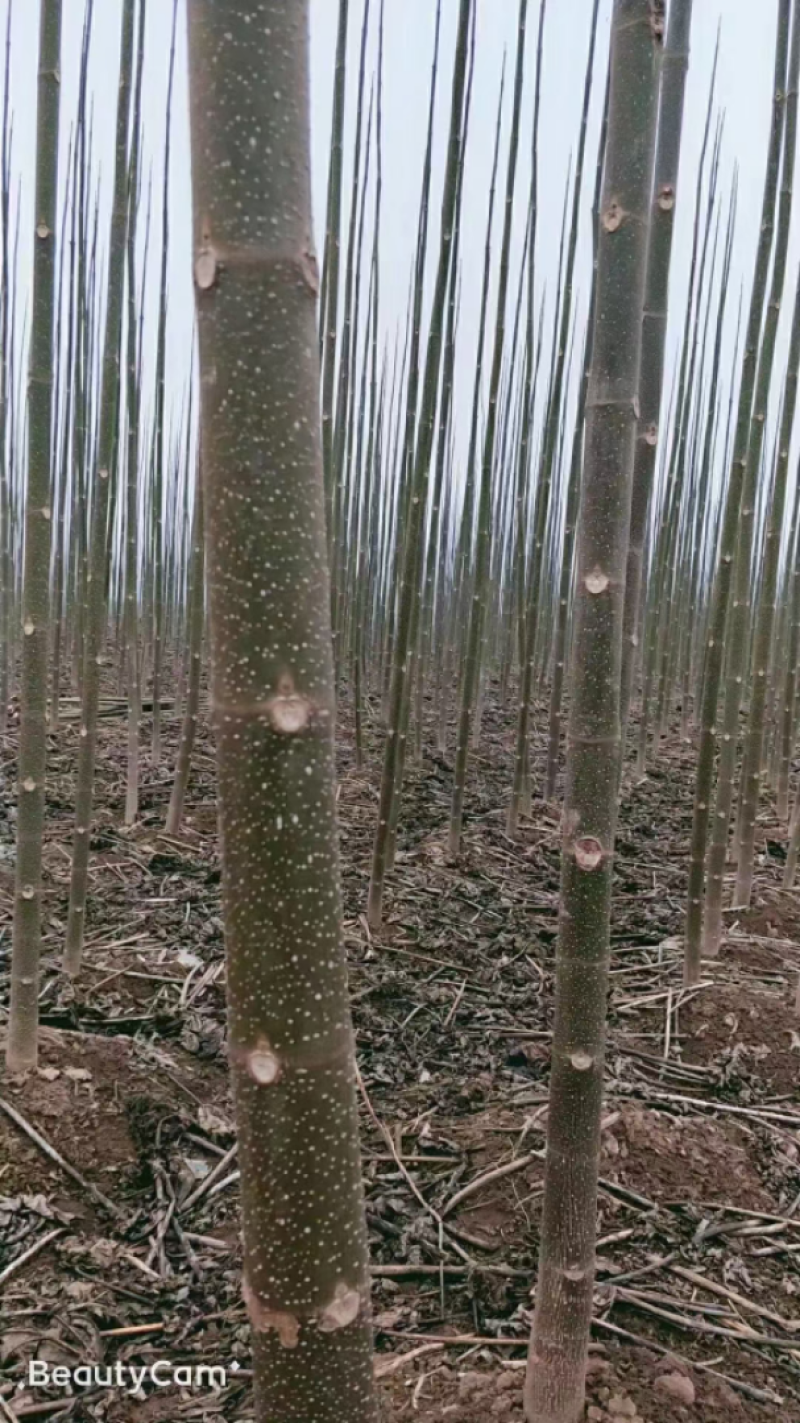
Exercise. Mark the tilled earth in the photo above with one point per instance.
(133, 1255)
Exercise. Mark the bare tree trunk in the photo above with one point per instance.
(409, 556)
(133, 372)
(196, 609)
(554, 1391)
(765, 620)
(480, 572)
(94, 632)
(158, 441)
(675, 63)
(329, 295)
(6, 573)
(23, 1021)
(562, 613)
(530, 619)
(291, 1046)
(785, 670)
(723, 580)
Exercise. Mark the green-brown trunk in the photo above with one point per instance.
(291, 1047)
(554, 1391)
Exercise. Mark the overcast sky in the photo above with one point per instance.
(744, 92)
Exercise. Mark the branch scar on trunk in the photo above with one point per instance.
(596, 581)
(342, 1310)
(614, 216)
(588, 853)
(288, 711)
(263, 1065)
(262, 1319)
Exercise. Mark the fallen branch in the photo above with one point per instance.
(27, 1255)
(495, 1174)
(385, 1367)
(44, 1146)
(208, 1181)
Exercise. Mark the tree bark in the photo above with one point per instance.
(291, 1047)
(196, 610)
(476, 616)
(404, 639)
(106, 459)
(721, 596)
(765, 620)
(23, 1022)
(674, 65)
(555, 1384)
(133, 359)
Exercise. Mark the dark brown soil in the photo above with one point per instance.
(453, 1004)
(680, 1158)
(743, 1025)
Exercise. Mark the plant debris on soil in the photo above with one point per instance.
(119, 1235)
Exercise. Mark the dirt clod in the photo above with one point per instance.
(678, 1386)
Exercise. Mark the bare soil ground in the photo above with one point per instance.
(697, 1308)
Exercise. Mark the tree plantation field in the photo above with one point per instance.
(399, 711)
(453, 1006)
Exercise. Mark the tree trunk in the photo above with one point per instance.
(530, 618)
(94, 631)
(131, 607)
(675, 63)
(409, 555)
(290, 1040)
(196, 609)
(24, 1010)
(329, 295)
(721, 596)
(480, 573)
(554, 1391)
(765, 620)
(160, 415)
